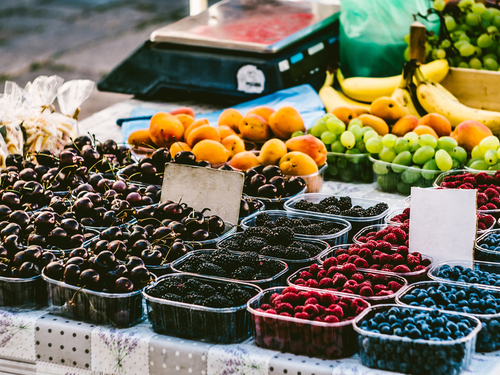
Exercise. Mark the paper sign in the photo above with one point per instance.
(201, 188)
(443, 223)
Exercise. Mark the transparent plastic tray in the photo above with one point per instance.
(484, 254)
(217, 325)
(229, 230)
(349, 167)
(410, 356)
(261, 207)
(278, 279)
(277, 203)
(300, 336)
(488, 339)
(332, 239)
(374, 300)
(357, 223)
(22, 294)
(493, 268)
(372, 228)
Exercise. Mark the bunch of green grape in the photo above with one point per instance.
(486, 155)
(475, 37)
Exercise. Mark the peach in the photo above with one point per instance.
(244, 160)
(469, 133)
(140, 138)
(297, 163)
(186, 120)
(387, 109)
(254, 128)
(211, 151)
(201, 133)
(376, 123)
(164, 129)
(404, 125)
(233, 144)
(439, 123)
(194, 125)
(230, 117)
(310, 145)
(424, 129)
(272, 151)
(186, 110)
(345, 114)
(262, 111)
(177, 147)
(225, 131)
(286, 121)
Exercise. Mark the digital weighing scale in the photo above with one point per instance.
(234, 49)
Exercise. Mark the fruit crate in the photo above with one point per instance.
(116, 309)
(413, 356)
(357, 223)
(217, 325)
(399, 178)
(481, 252)
(374, 300)
(300, 336)
(22, 294)
(436, 273)
(349, 167)
(275, 280)
(332, 239)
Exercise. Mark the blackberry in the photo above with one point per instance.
(261, 232)
(274, 251)
(211, 269)
(206, 290)
(271, 267)
(261, 276)
(301, 230)
(226, 261)
(333, 231)
(169, 285)
(344, 203)
(262, 219)
(254, 244)
(330, 201)
(327, 226)
(270, 224)
(169, 296)
(243, 273)
(311, 248)
(358, 208)
(281, 236)
(192, 285)
(302, 222)
(314, 229)
(296, 253)
(218, 252)
(250, 258)
(217, 301)
(305, 205)
(284, 221)
(332, 210)
(351, 213)
(380, 208)
(233, 243)
(192, 298)
(238, 297)
(189, 267)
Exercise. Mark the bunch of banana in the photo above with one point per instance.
(405, 93)
(332, 98)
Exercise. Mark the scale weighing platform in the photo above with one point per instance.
(234, 49)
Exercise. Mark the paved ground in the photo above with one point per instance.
(81, 39)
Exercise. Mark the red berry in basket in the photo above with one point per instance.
(304, 295)
(497, 177)
(284, 307)
(378, 287)
(302, 315)
(365, 283)
(492, 193)
(291, 298)
(321, 275)
(348, 269)
(401, 269)
(400, 234)
(397, 259)
(384, 258)
(385, 293)
(300, 282)
(481, 226)
(332, 271)
(315, 294)
(329, 262)
(384, 246)
(495, 201)
(470, 180)
(351, 284)
(311, 301)
(482, 199)
(362, 239)
(403, 250)
(348, 291)
(352, 258)
(378, 278)
(311, 310)
(406, 211)
(407, 243)
(335, 310)
(353, 250)
(405, 227)
(372, 245)
(314, 269)
(341, 251)
(466, 186)
(388, 267)
(366, 291)
(331, 319)
(289, 289)
(298, 309)
(342, 258)
(365, 253)
(285, 314)
(491, 206)
(274, 296)
(328, 299)
(265, 307)
(375, 267)
(483, 208)
(391, 238)
(271, 311)
(326, 283)
(305, 275)
(488, 220)
(311, 283)
(361, 263)
(394, 286)
(358, 277)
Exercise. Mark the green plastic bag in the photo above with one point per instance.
(372, 32)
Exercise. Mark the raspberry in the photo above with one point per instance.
(391, 238)
(372, 245)
(480, 178)
(352, 258)
(344, 303)
(332, 271)
(299, 282)
(341, 251)
(353, 250)
(311, 301)
(302, 315)
(305, 275)
(385, 258)
(482, 199)
(384, 246)
(329, 262)
(314, 269)
(388, 267)
(351, 284)
(378, 287)
(331, 319)
(321, 275)
(419, 268)
(335, 310)
(378, 278)
(491, 206)
(289, 289)
(273, 296)
(285, 314)
(311, 283)
(401, 268)
(481, 226)
(488, 220)
(321, 309)
(385, 293)
(339, 280)
(413, 260)
(271, 311)
(470, 180)
(405, 227)
(466, 186)
(492, 193)
(394, 286)
(407, 243)
(449, 178)
(284, 307)
(366, 291)
(265, 307)
(417, 254)
(298, 309)
(348, 269)
(403, 250)
(304, 295)
(406, 211)
(349, 291)
(400, 234)
(361, 263)
(291, 298)
(375, 266)
(342, 258)
(358, 277)
(326, 283)
(311, 310)
(377, 253)
(365, 253)
(315, 294)
(367, 283)
(318, 319)
(483, 208)
(328, 299)
(363, 239)
(397, 259)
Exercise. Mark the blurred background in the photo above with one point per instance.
(79, 39)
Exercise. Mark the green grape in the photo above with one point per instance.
(423, 154)
(414, 147)
(491, 157)
(387, 154)
(380, 168)
(354, 122)
(440, 53)
(443, 160)
(356, 130)
(498, 153)
(439, 5)
(484, 41)
(472, 19)
(411, 137)
(477, 153)
(475, 63)
(366, 129)
(459, 154)
(360, 146)
(403, 158)
(428, 49)
(494, 167)
(401, 145)
(494, 11)
(490, 64)
(487, 15)
(450, 23)
(297, 133)
(467, 50)
(464, 38)
(496, 21)
(445, 44)
(337, 147)
(348, 139)
(473, 41)
(328, 116)
(335, 125)
(455, 165)
(490, 55)
(489, 143)
(429, 170)
(369, 134)
(463, 65)
(353, 151)
(389, 140)
(406, 54)
(460, 44)
(469, 163)
(465, 3)
(427, 140)
(485, 23)
(478, 8)
(407, 38)
(374, 145)
(410, 176)
(318, 128)
(479, 51)
(447, 143)
(492, 30)
(328, 138)
(480, 165)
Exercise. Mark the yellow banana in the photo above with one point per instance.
(332, 98)
(370, 89)
(403, 97)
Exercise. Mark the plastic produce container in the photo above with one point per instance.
(349, 168)
(22, 294)
(210, 244)
(314, 181)
(488, 339)
(399, 178)
(413, 356)
(261, 207)
(372, 228)
(277, 203)
(117, 309)
(278, 279)
(357, 223)
(374, 300)
(217, 325)
(300, 336)
(332, 239)
(492, 268)
(483, 253)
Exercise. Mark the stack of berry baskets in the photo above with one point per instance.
(334, 231)
(476, 301)
(409, 351)
(305, 322)
(360, 212)
(243, 267)
(380, 256)
(467, 272)
(487, 247)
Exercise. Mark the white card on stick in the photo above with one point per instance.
(201, 188)
(443, 223)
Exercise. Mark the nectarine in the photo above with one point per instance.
(211, 151)
(310, 145)
(254, 128)
(233, 144)
(230, 117)
(297, 164)
(439, 123)
(244, 160)
(469, 133)
(262, 111)
(272, 151)
(404, 125)
(177, 147)
(286, 121)
(387, 109)
(201, 133)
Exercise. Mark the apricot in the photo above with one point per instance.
(140, 138)
(233, 144)
(387, 109)
(272, 151)
(310, 145)
(254, 128)
(439, 123)
(194, 125)
(469, 133)
(186, 120)
(183, 110)
(164, 129)
(225, 131)
(262, 111)
(404, 125)
(244, 160)
(201, 133)
(177, 147)
(424, 129)
(286, 121)
(297, 163)
(376, 123)
(345, 114)
(211, 151)
(230, 117)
